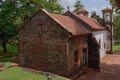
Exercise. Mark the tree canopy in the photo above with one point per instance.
(77, 6)
(116, 17)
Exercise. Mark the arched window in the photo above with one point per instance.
(107, 17)
(81, 14)
(104, 45)
(99, 44)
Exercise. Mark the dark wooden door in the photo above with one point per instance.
(85, 57)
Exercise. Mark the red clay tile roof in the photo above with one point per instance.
(69, 24)
(94, 24)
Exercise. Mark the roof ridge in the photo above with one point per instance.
(76, 25)
(98, 25)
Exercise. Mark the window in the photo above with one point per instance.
(104, 45)
(84, 57)
(107, 18)
(108, 26)
(99, 44)
(81, 14)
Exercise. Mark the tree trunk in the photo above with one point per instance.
(4, 46)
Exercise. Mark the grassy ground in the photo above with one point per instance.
(7, 58)
(17, 73)
(11, 48)
(117, 47)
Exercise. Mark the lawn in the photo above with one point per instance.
(7, 58)
(11, 48)
(17, 73)
(117, 47)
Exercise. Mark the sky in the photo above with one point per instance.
(90, 5)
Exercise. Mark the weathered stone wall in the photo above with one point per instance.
(76, 43)
(43, 45)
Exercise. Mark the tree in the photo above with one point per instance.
(116, 17)
(94, 14)
(97, 17)
(116, 26)
(77, 6)
(14, 13)
(54, 6)
(8, 27)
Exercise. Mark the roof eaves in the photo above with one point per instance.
(98, 29)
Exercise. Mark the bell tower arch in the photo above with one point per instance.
(108, 22)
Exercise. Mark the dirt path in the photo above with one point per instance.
(110, 70)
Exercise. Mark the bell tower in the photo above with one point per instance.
(82, 12)
(108, 22)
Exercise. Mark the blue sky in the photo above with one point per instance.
(90, 5)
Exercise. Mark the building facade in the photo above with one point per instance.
(62, 44)
(102, 32)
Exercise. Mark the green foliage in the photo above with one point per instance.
(117, 47)
(54, 6)
(12, 49)
(113, 3)
(77, 6)
(116, 19)
(7, 61)
(94, 15)
(116, 26)
(8, 28)
(7, 58)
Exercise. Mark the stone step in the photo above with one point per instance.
(80, 72)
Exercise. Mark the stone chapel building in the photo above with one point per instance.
(65, 44)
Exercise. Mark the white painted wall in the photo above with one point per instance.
(103, 37)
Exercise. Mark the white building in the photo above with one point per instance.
(102, 32)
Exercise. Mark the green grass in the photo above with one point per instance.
(17, 73)
(7, 58)
(7, 61)
(117, 47)
(11, 48)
